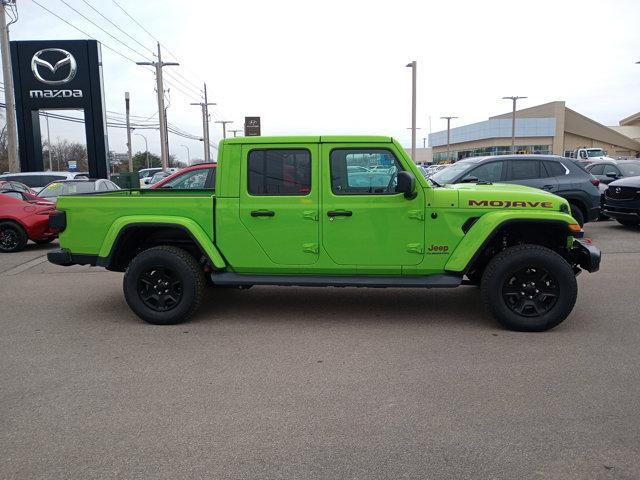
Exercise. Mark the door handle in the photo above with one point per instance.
(339, 213)
(547, 187)
(262, 213)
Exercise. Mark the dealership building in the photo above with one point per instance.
(551, 128)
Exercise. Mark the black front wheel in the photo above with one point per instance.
(163, 285)
(529, 288)
(13, 238)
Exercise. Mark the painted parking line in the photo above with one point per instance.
(25, 266)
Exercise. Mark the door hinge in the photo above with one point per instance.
(310, 214)
(415, 248)
(310, 248)
(417, 214)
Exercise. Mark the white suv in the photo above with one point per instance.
(37, 180)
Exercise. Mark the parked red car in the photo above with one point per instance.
(202, 175)
(23, 217)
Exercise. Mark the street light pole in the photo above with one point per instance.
(224, 126)
(12, 133)
(188, 154)
(513, 122)
(448, 119)
(164, 150)
(49, 143)
(146, 148)
(414, 67)
(126, 105)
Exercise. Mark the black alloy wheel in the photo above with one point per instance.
(530, 292)
(13, 238)
(159, 288)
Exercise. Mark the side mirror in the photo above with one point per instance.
(470, 179)
(406, 184)
(612, 174)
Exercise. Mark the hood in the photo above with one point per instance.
(626, 182)
(504, 195)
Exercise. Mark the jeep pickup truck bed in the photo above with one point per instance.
(330, 211)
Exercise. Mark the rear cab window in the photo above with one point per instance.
(279, 172)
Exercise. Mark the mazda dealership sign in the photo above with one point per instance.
(59, 74)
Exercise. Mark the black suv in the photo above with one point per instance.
(622, 201)
(555, 174)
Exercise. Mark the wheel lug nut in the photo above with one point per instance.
(537, 291)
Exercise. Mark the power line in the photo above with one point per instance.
(115, 25)
(85, 33)
(152, 36)
(102, 29)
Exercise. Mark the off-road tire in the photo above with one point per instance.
(513, 260)
(576, 212)
(628, 223)
(18, 237)
(186, 270)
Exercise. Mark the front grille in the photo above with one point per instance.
(621, 193)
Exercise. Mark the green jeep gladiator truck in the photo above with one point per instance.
(330, 211)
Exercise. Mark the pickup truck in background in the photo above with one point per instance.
(330, 211)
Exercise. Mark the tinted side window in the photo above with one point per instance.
(488, 172)
(524, 169)
(363, 171)
(597, 170)
(29, 180)
(279, 172)
(192, 179)
(611, 169)
(554, 169)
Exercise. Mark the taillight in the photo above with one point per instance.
(595, 182)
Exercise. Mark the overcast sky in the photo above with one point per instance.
(339, 66)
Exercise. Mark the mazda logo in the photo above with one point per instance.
(39, 66)
(618, 190)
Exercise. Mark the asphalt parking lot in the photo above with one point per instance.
(317, 383)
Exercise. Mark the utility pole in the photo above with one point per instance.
(126, 105)
(205, 125)
(414, 68)
(146, 147)
(188, 154)
(513, 122)
(448, 119)
(235, 132)
(224, 126)
(162, 112)
(9, 99)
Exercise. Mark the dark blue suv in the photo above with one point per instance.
(558, 175)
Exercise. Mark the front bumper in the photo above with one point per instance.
(585, 256)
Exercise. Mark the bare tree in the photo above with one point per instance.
(4, 155)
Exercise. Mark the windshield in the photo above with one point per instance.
(631, 169)
(595, 152)
(57, 189)
(450, 173)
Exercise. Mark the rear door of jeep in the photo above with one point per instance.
(279, 200)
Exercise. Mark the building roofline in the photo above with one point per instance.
(630, 120)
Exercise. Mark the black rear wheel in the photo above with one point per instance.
(164, 285)
(629, 223)
(529, 288)
(13, 237)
